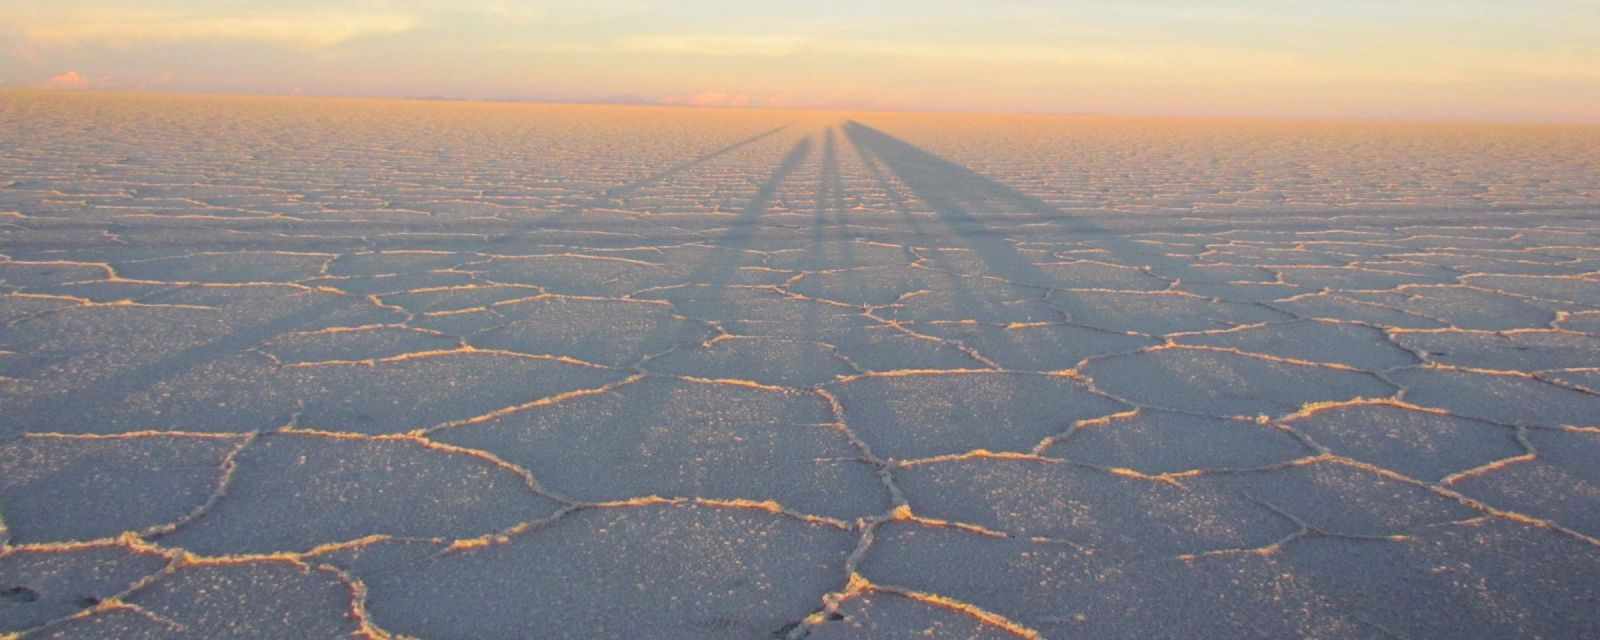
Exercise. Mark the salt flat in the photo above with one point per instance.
(322, 368)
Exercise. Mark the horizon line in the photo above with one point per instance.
(628, 102)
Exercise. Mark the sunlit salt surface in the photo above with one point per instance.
(321, 368)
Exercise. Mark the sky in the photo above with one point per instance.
(1533, 60)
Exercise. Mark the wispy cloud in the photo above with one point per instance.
(311, 28)
(714, 45)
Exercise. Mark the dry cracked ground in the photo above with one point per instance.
(323, 368)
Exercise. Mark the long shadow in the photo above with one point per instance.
(739, 235)
(716, 271)
(828, 227)
(830, 186)
(897, 202)
(819, 228)
(53, 412)
(708, 281)
(951, 190)
(945, 187)
(963, 296)
(941, 178)
(830, 203)
(630, 188)
(713, 276)
(728, 250)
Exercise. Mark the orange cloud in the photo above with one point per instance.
(67, 80)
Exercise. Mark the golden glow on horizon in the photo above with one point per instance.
(1478, 60)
